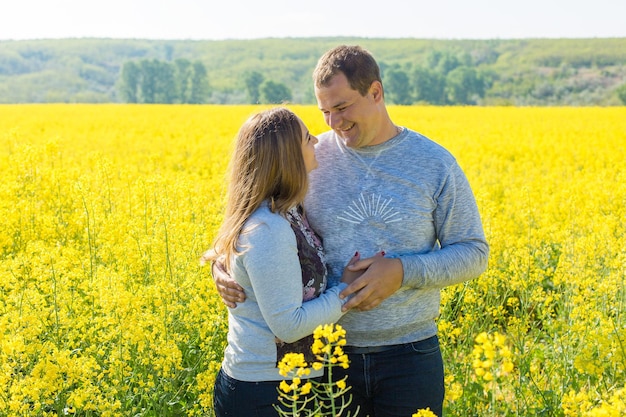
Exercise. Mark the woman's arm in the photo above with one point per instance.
(270, 269)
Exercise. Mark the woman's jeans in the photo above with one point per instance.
(232, 397)
(236, 398)
(396, 381)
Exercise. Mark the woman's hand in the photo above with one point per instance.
(349, 275)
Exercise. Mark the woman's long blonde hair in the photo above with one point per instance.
(266, 165)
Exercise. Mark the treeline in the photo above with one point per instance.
(523, 72)
(265, 91)
(154, 81)
(150, 81)
(445, 80)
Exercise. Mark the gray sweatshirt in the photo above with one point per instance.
(408, 197)
(275, 315)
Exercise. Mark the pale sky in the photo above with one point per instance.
(248, 19)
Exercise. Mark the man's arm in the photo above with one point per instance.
(462, 256)
(463, 249)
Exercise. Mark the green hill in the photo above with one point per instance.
(483, 72)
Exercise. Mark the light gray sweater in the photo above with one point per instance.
(408, 197)
(271, 275)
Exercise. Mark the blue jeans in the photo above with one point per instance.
(396, 382)
(232, 397)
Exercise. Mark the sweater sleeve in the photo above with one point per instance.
(275, 274)
(462, 251)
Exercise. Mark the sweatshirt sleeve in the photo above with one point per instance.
(463, 251)
(273, 268)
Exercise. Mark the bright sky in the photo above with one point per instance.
(245, 19)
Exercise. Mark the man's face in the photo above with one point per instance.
(354, 117)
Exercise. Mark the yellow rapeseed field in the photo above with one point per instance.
(105, 210)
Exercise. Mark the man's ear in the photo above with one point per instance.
(376, 90)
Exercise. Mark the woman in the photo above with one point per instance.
(267, 244)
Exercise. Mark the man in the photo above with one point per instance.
(382, 187)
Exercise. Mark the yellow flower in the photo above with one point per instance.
(317, 346)
(284, 386)
(291, 362)
(424, 413)
(306, 388)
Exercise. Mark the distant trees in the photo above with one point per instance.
(621, 93)
(439, 77)
(429, 86)
(274, 93)
(532, 72)
(253, 81)
(128, 86)
(445, 79)
(186, 82)
(155, 81)
(399, 87)
(464, 85)
(265, 91)
(191, 81)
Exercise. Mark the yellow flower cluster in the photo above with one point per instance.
(581, 404)
(327, 343)
(105, 210)
(492, 357)
(327, 347)
(294, 365)
(293, 362)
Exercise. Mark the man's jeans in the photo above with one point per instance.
(395, 382)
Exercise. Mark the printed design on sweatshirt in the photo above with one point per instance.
(370, 207)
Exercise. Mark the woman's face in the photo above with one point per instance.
(308, 148)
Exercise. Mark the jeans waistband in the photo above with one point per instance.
(359, 350)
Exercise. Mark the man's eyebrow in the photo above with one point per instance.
(340, 104)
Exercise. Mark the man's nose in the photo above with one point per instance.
(333, 120)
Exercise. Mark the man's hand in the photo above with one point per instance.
(231, 292)
(382, 277)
